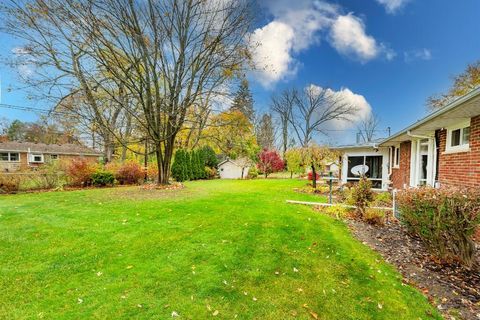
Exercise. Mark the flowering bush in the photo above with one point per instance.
(130, 172)
(79, 172)
(310, 176)
(445, 219)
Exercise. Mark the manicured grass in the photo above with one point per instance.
(221, 248)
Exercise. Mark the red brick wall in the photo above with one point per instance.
(461, 169)
(401, 176)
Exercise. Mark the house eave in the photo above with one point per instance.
(460, 109)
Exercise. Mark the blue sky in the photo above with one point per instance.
(386, 55)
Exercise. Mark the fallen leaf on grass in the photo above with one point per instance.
(79, 300)
(215, 313)
(314, 315)
(175, 314)
(129, 267)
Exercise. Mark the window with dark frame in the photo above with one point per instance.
(37, 158)
(460, 137)
(14, 156)
(10, 156)
(374, 173)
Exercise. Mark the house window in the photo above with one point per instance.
(14, 156)
(10, 156)
(458, 138)
(54, 156)
(37, 158)
(396, 157)
(370, 166)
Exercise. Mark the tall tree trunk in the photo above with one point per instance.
(314, 177)
(164, 160)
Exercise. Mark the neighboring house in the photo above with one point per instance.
(442, 149)
(16, 156)
(233, 169)
(332, 167)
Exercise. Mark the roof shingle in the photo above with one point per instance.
(73, 149)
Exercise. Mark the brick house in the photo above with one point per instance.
(442, 149)
(15, 156)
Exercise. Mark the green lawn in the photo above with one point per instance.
(214, 249)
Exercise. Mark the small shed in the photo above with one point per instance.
(233, 169)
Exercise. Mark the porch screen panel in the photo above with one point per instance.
(374, 164)
(352, 162)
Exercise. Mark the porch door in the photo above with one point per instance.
(423, 163)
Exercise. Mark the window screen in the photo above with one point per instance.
(374, 164)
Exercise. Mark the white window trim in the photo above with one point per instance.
(461, 147)
(33, 155)
(9, 157)
(396, 162)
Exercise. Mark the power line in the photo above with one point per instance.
(29, 109)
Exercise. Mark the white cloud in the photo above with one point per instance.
(419, 54)
(392, 6)
(346, 95)
(348, 37)
(272, 46)
(340, 132)
(295, 27)
(299, 24)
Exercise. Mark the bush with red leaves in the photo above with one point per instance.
(269, 162)
(310, 175)
(79, 172)
(130, 172)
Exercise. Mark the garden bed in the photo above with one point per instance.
(453, 289)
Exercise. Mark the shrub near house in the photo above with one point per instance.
(445, 219)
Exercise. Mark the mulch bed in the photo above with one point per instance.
(453, 289)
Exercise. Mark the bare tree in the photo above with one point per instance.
(368, 127)
(154, 59)
(61, 68)
(314, 107)
(282, 106)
